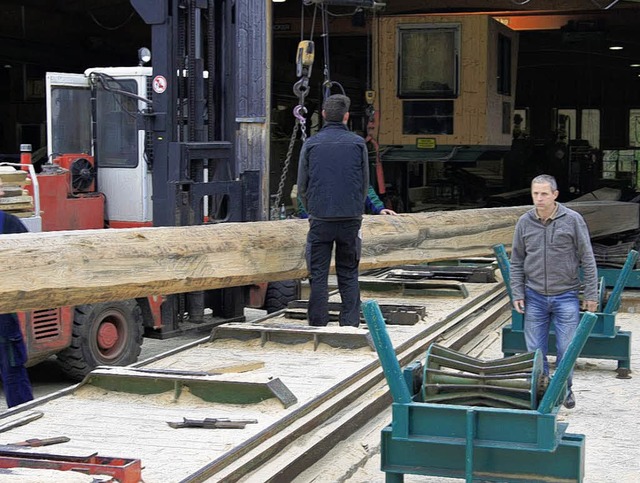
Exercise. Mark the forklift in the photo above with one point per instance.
(177, 144)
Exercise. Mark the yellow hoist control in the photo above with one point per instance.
(304, 58)
(370, 96)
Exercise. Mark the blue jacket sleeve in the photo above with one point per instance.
(303, 174)
(302, 211)
(365, 171)
(12, 224)
(373, 203)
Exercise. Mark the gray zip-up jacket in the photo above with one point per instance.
(547, 257)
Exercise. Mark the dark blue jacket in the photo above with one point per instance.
(333, 173)
(373, 204)
(11, 224)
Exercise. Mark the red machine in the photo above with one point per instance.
(68, 200)
(49, 332)
(68, 196)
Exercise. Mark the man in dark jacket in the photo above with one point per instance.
(333, 181)
(13, 353)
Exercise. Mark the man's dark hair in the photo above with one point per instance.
(335, 107)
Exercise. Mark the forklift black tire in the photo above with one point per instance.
(105, 334)
(279, 294)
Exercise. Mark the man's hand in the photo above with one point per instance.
(387, 211)
(589, 305)
(519, 306)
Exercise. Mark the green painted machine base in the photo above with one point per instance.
(611, 275)
(480, 443)
(401, 456)
(617, 348)
(298, 334)
(210, 389)
(477, 443)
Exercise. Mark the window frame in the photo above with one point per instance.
(455, 29)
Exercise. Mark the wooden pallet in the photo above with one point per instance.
(15, 200)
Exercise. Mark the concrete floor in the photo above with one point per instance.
(47, 377)
(606, 413)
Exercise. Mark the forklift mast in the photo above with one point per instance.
(191, 121)
(192, 117)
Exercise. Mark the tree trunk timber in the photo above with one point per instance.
(45, 270)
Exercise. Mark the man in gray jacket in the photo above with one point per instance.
(550, 245)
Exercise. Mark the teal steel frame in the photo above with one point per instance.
(606, 340)
(610, 277)
(476, 443)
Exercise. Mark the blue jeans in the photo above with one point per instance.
(540, 311)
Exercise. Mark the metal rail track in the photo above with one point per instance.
(291, 445)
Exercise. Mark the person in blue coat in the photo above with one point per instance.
(333, 181)
(13, 352)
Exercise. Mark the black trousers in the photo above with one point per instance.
(321, 238)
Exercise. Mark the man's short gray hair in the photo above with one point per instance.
(335, 107)
(546, 179)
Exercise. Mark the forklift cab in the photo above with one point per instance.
(103, 126)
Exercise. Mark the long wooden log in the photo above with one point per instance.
(43, 270)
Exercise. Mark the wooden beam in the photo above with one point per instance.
(44, 270)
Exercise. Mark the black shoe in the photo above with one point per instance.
(570, 401)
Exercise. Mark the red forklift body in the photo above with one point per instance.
(66, 208)
(46, 332)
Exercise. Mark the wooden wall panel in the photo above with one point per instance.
(494, 134)
(470, 112)
(475, 115)
(384, 79)
(254, 92)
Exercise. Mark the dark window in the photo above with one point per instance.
(504, 65)
(71, 120)
(117, 131)
(428, 61)
(427, 117)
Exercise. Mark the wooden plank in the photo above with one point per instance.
(16, 207)
(10, 200)
(13, 176)
(44, 270)
(12, 191)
